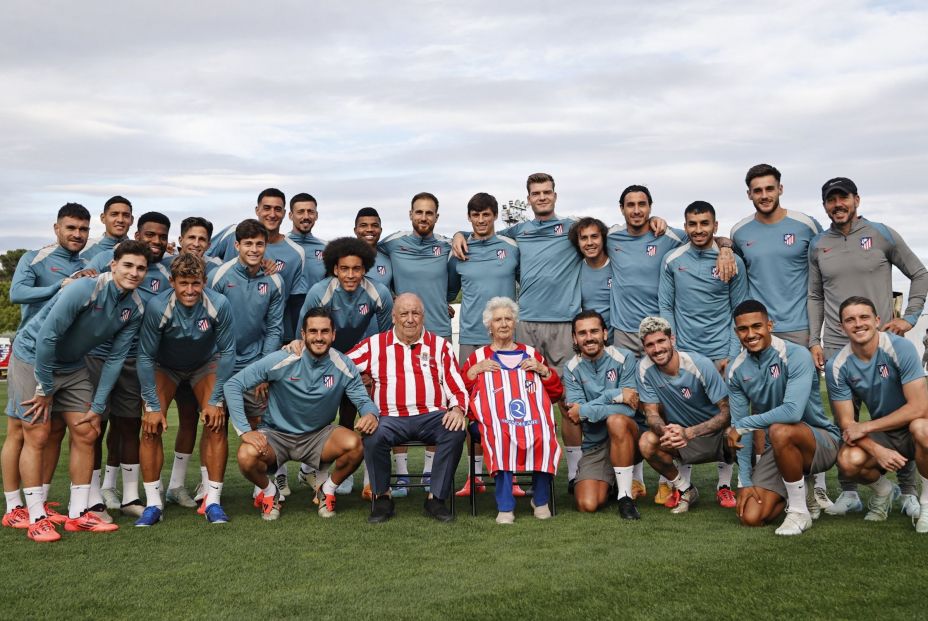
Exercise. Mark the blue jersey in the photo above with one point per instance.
(597, 386)
(636, 262)
(596, 289)
(304, 392)
(313, 267)
(549, 270)
(353, 312)
(687, 398)
(382, 271)
(777, 260)
(38, 278)
(86, 313)
(778, 385)
(286, 254)
(491, 270)
(258, 309)
(101, 244)
(877, 382)
(420, 266)
(698, 304)
(184, 339)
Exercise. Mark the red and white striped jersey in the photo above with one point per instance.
(514, 412)
(411, 380)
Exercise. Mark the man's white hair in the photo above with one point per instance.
(650, 325)
(498, 302)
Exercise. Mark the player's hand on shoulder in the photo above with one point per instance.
(897, 326)
(658, 225)
(726, 263)
(294, 347)
(459, 246)
(269, 266)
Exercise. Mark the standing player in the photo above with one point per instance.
(698, 304)
(882, 370)
(774, 244)
(855, 257)
(257, 304)
(303, 214)
(774, 388)
(188, 334)
(602, 396)
(588, 235)
(686, 406)
(367, 228)
(116, 219)
(48, 379)
(39, 275)
(304, 392)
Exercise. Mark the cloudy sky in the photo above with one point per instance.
(194, 107)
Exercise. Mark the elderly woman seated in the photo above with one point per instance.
(511, 390)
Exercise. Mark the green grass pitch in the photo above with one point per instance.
(700, 565)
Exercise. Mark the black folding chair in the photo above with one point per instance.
(415, 476)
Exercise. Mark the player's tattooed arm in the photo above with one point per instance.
(720, 421)
(652, 414)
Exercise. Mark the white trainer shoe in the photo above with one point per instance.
(505, 517)
(847, 502)
(908, 504)
(111, 498)
(879, 506)
(283, 485)
(921, 524)
(795, 523)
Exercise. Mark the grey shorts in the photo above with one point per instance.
(73, 389)
(766, 474)
(194, 376)
(465, 350)
(705, 449)
(595, 465)
(899, 440)
(126, 397)
(799, 337)
(552, 338)
(304, 447)
(629, 341)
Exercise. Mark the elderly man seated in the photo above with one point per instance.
(417, 386)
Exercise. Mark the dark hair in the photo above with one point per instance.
(587, 314)
(750, 306)
(574, 233)
(481, 201)
(856, 299)
(347, 247)
(250, 228)
(272, 192)
(635, 188)
(761, 170)
(318, 311)
(188, 223)
(302, 197)
(697, 207)
(427, 195)
(153, 216)
(366, 212)
(187, 264)
(73, 210)
(538, 178)
(116, 200)
(130, 246)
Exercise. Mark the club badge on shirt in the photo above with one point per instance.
(155, 285)
(382, 270)
(789, 239)
(774, 371)
(436, 250)
(203, 325)
(328, 381)
(715, 273)
(884, 371)
(280, 265)
(126, 313)
(501, 254)
(558, 229)
(651, 250)
(686, 392)
(611, 375)
(363, 309)
(318, 254)
(866, 243)
(262, 288)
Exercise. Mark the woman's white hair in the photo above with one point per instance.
(498, 302)
(650, 325)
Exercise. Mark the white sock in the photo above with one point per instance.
(427, 462)
(686, 471)
(820, 481)
(923, 498)
(663, 479)
(179, 470)
(46, 487)
(204, 477)
(306, 470)
(574, 453)
(130, 482)
(282, 470)
(329, 486)
(796, 496)
(213, 492)
(725, 471)
(35, 502)
(153, 494)
(401, 463)
(271, 488)
(882, 486)
(623, 480)
(367, 478)
(109, 477)
(638, 472)
(478, 465)
(13, 500)
(80, 495)
(95, 497)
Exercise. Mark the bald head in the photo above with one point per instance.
(408, 317)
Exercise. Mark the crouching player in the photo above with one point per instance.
(774, 387)
(304, 392)
(686, 406)
(187, 335)
(882, 370)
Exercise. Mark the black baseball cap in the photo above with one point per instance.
(838, 184)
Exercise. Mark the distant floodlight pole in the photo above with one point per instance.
(514, 212)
